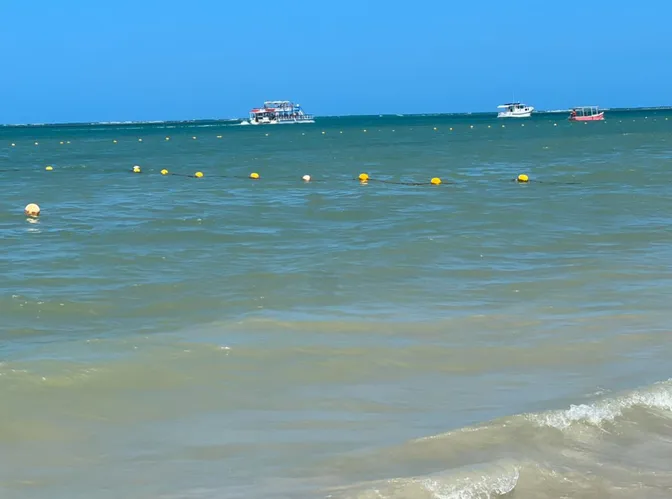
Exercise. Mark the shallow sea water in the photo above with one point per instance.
(175, 337)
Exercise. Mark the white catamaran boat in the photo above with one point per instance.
(278, 112)
(515, 110)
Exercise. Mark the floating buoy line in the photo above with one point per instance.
(33, 210)
(362, 178)
(454, 128)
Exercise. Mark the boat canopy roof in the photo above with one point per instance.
(586, 107)
(510, 104)
(278, 103)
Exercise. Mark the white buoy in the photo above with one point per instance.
(32, 210)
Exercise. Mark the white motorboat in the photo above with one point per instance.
(515, 110)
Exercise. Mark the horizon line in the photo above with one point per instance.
(224, 120)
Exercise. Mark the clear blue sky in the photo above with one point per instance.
(90, 60)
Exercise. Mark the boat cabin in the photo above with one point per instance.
(512, 107)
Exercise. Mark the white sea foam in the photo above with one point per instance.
(659, 396)
(481, 487)
(489, 482)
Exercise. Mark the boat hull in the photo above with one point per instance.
(280, 122)
(294, 122)
(515, 115)
(595, 117)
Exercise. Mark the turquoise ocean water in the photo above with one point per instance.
(175, 337)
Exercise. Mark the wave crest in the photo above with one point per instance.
(659, 397)
(493, 481)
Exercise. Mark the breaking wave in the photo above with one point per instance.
(614, 447)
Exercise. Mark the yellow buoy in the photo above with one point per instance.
(323, 132)
(198, 174)
(137, 169)
(523, 178)
(167, 138)
(219, 136)
(363, 177)
(114, 141)
(49, 168)
(62, 142)
(435, 181)
(164, 172)
(32, 210)
(254, 176)
(435, 128)
(306, 178)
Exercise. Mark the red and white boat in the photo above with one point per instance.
(586, 113)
